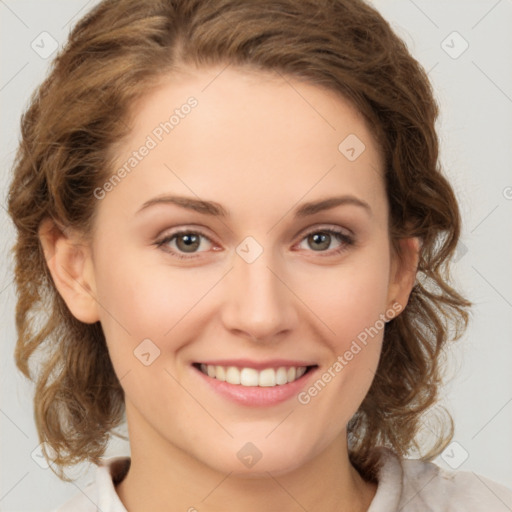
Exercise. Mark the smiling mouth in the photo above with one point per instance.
(267, 377)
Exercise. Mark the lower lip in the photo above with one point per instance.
(255, 396)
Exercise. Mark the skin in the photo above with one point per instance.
(261, 146)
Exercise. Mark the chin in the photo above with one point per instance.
(251, 462)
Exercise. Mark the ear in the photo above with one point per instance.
(403, 272)
(69, 261)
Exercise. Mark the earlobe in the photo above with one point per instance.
(403, 272)
(69, 261)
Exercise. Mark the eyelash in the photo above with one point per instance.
(342, 237)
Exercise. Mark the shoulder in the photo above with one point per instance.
(421, 486)
(100, 494)
(84, 501)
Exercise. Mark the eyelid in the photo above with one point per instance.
(348, 238)
(325, 227)
(199, 230)
(166, 238)
(302, 233)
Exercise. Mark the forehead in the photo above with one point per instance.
(248, 137)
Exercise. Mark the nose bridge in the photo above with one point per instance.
(258, 302)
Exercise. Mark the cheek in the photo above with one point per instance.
(142, 301)
(348, 299)
(142, 317)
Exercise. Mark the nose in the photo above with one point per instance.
(259, 303)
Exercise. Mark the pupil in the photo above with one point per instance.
(191, 242)
(322, 238)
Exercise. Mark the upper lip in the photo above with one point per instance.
(257, 365)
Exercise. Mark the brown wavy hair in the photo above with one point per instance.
(82, 110)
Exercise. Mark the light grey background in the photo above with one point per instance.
(475, 128)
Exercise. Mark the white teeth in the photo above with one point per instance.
(220, 373)
(233, 375)
(268, 377)
(300, 372)
(281, 376)
(249, 377)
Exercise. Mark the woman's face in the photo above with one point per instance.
(260, 279)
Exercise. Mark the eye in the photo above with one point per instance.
(184, 242)
(321, 239)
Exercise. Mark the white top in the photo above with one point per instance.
(404, 485)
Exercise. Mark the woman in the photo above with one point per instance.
(239, 234)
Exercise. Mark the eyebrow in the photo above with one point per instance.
(217, 210)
